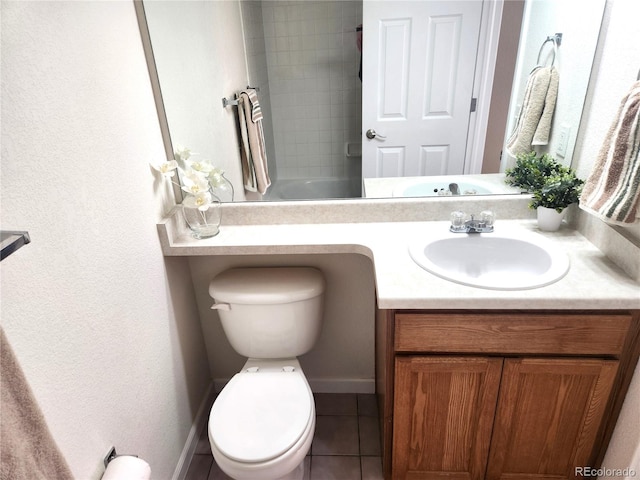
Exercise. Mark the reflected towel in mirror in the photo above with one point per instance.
(253, 152)
(534, 122)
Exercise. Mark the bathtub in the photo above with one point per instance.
(314, 188)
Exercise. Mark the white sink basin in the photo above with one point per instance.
(431, 187)
(498, 261)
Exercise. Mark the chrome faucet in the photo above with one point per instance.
(484, 224)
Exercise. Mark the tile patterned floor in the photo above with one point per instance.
(346, 444)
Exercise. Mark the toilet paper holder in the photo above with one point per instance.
(113, 454)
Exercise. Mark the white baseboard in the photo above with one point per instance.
(325, 385)
(194, 434)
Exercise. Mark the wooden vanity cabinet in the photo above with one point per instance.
(500, 395)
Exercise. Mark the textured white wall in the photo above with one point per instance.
(105, 328)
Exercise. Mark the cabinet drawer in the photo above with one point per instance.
(512, 333)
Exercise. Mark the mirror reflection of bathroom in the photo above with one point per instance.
(323, 81)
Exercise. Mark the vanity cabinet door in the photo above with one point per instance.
(548, 415)
(444, 411)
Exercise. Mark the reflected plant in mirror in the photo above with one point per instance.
(531, 171)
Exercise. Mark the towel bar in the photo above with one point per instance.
(226, 102)
(10, 241)
(234, 101)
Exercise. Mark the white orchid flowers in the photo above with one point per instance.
(197, 178)
(216, 177)
(182, 153)
(201, 201)
(167, 169)
(194, 182)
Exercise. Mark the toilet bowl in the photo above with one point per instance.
(262, 423)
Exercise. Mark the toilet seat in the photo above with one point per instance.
(259, 416)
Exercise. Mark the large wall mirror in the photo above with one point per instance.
(381, 98)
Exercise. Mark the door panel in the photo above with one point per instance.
(418, 72)
(443, 58)
(390, 161)
(393, 89)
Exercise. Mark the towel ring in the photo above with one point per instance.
(556, 40)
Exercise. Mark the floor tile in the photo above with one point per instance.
(371, 468)
(215, 474)
(346, 443)
(336, 403)
(203, 447)
(336, 435)
(369, 433)
(367, 405)
(307, 468)
(335, 468)
(199, 467)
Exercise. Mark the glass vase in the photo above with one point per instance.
(222, 188)
(203, 223)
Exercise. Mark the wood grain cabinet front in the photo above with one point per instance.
(484, 407)
(548, 415)
(444, 411)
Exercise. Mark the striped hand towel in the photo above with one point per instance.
(612, 191)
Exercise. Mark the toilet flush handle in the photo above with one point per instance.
(221, 306)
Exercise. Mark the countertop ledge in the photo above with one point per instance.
(593, 281)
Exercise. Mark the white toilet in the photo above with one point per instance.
(262, 423)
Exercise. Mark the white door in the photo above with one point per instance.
(417, 82)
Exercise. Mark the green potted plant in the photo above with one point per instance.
(556, 193)
(554, 186)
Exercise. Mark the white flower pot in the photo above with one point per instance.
(549, 220)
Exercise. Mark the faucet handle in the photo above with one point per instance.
(487, 217)
(457, 221)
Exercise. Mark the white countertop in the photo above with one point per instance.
(593, 281)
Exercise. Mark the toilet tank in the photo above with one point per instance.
(270, 312)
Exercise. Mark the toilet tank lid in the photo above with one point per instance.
(263, 286)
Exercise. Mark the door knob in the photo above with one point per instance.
(371, 134)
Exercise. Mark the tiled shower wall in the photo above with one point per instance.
(315, 94)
